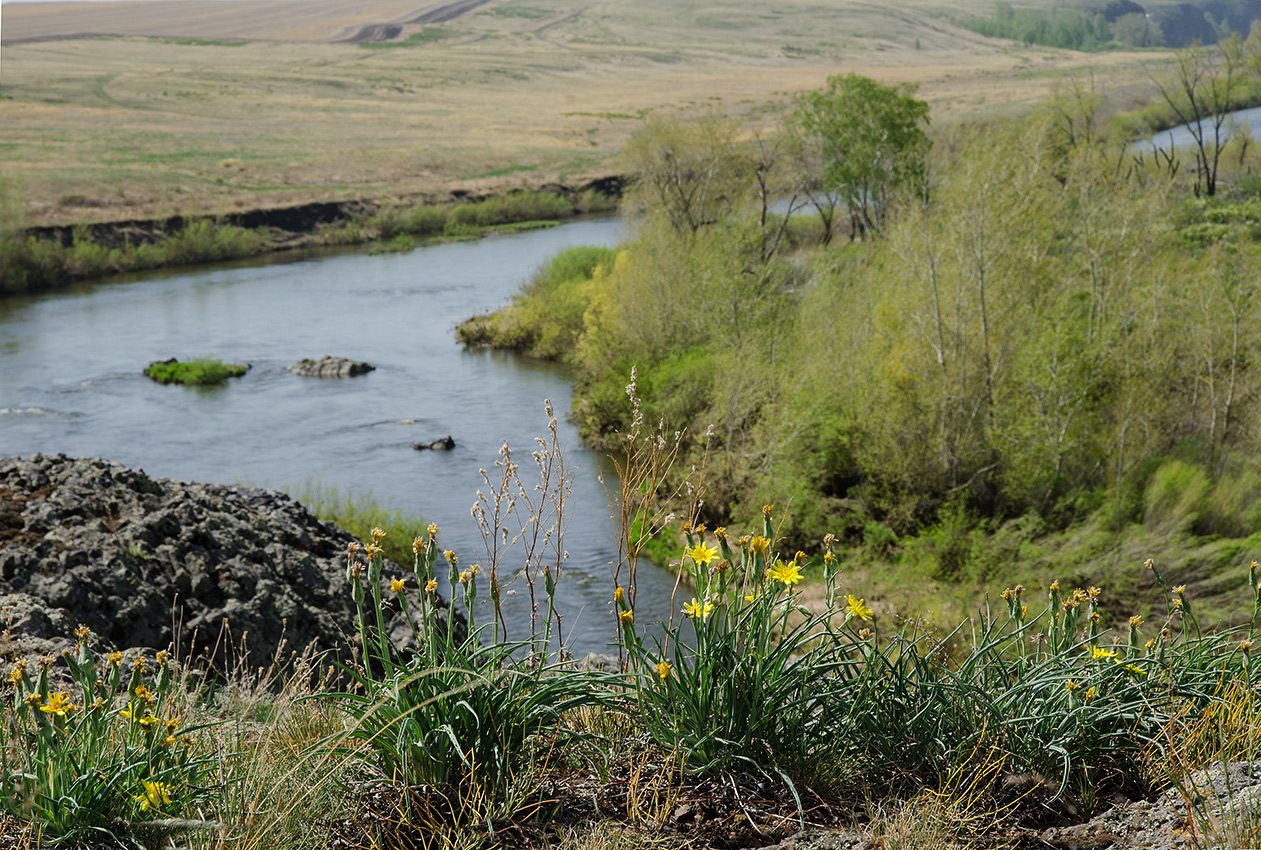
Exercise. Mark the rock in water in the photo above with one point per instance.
(330, 367)
(127, 555)
(442, 444)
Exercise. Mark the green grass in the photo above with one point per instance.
(202, 372)
(359, 512)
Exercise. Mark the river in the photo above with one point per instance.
(1180, 136)
(70, 381)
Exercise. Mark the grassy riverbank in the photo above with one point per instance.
(29, 263)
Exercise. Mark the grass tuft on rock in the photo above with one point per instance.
(197, 373)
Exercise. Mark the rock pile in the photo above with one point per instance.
(330, 367)
(147, 562)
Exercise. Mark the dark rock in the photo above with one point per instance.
(330, 367)
(442, 444)
(147, 562)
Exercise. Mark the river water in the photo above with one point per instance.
(70, 381)
(1180, 136)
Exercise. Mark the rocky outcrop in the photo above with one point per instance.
(150, 562)
(330, 367)
(442, 444)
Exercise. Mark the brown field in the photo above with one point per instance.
(125, 109)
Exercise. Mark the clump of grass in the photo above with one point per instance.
(359, 512)
(202, 372)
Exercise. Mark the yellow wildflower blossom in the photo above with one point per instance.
(721, 532)
(397, 584)
(418, 545)
(767, 509)
(431, 586)
(155, 795)
(451, 557)
(788, 574)
(759, 544)
(58, 705)
(1099, 652)
(701, 554)
(1136, 621)
(663, 669)
(619, 595)
(378, 534)
(857, 607)
(433, 531)
(626, 617)
(695, 608)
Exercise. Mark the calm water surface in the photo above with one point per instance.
(70, 382)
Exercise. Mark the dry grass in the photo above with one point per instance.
(507, 94)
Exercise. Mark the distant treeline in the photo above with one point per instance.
(1119, 23)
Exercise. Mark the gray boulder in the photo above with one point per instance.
(330, 367)
(147, 562)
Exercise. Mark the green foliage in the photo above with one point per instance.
(872, 142)
(194, 373)
(104, 760)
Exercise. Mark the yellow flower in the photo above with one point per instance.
(418, 545)
(433, 531)
(82, 633)
(752, 597)
(143, 693)
(431, 586)
(397, 584)
(162, 658)
(1245, 646)
(696, 609)
(1055, 586)
(767, 509)
(15, 675)
(721, 532)
(1006, 594)
(1093, 592)
(1135, 670)
(58, 705)
(828, 557)
(34, 698)
(371, 550)
(800, 557)
(1089, 695)
(626, 617)
(1098, 652)
(857, 607)
(865, 634)
(1024, 609)
(378, 534)
(1180, 589)
(155, 795)
(663, 669)
(759, 544)
(1136, 621)
(1149, 564)
(1070, 686)
(465, 576)
(619, 595)
(787, 573)
(115, 658)
(169, 741)
(451, 557)
(700, 531)
(701, 554)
